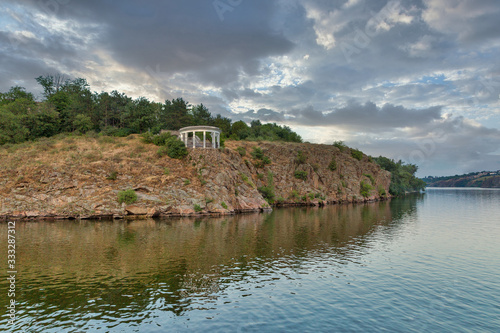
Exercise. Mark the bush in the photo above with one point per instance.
(112, 176)
(267, 192)
(266, 160)
(197, 208)
(340, 145)
(241, 151)
(223, 204)
(127, 196)
(381, 191)
(365, 189)
(162, 151)
(357, 154)
(177, 149)
(257, 153)
(372, 180)
(187, 182)
(301, 157)
(333, 164)
(300, 174)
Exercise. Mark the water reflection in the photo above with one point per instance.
(71, 273)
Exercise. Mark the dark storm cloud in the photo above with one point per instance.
(183, 36)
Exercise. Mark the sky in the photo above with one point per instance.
(416, 80)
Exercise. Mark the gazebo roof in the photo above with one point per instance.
(200, 128)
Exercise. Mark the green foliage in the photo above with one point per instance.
(257, 153)
(223, 204)
(340, 145)
(300, 174)
(357, 154)
(128, 196)
(402, 176)
(261, 159)
(197, 208)
(82, 123)
(301, 157)
(381, 191)
(294, 195)
(333, 164)
(162, 151)
(112, 176)
(177, 149)
(267, 192)
(242, 151)
(69, 105)
(372, 180)
(344, 184)
(365, 188)
(187, 182)
(166, 171)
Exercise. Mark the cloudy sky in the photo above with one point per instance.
(417, 80)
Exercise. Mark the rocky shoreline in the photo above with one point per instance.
(80, 178)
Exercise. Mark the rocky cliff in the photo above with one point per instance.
(81, 177)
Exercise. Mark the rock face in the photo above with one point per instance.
(210, 181)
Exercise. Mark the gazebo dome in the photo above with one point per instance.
(194, 142)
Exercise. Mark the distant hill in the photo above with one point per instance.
(484, 179)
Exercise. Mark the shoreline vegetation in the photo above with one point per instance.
(78, 154)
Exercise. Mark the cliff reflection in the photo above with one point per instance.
(82, 269)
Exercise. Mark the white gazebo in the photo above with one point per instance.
(194, 142)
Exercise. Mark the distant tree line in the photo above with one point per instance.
(69, 106)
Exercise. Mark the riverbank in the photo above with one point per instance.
(81, 177)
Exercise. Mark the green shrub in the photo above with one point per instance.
(344, 184)
(300, 174)
(176, 149)
(372, 180)
(365, 189)
(197, 208)
(294, 195)
(187, 182)
(112, 176)
(166, 171)
(381, 191)
(147, 137)
(357, 154)
(333, 164)
(340, 145)
(163, 139)
(266, 160)
(128, 196)
(242, 151)
(311, 196)
(301, 157)
(260, 176)
(267, 192)
(162, 151)
(223, 204)
(257, 153)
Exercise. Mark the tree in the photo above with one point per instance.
(82, 123)
(50, 83)
(201, 115)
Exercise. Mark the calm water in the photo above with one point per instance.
(425, 263)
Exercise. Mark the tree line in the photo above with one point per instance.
(68, 105)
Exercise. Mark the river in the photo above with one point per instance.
(424, 263)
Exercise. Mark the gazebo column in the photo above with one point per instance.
(213, 139)
(204, 139)
(194, 141)
(218, 140)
